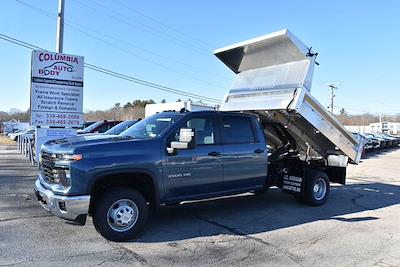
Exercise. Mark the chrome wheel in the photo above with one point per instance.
(319, 189)
(122, 215)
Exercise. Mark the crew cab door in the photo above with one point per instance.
(197, 171)
(245, 152)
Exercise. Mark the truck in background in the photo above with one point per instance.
(189, 105)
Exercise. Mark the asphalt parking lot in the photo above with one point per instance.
(358, 226)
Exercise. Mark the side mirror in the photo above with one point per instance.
(188, 135)
(187, 140)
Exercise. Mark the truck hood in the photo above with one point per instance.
(86, 140)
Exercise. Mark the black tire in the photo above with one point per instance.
(312, 197)
(113, 202)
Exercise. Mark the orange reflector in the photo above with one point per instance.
(77, 157)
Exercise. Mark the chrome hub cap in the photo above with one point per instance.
(319, 189)
(122, 215)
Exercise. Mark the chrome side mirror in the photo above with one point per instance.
(187, 140)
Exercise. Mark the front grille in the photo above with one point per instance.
(48, 170)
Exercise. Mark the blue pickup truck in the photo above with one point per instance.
(169, 158)
(269, 131)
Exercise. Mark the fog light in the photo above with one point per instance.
(61, 205)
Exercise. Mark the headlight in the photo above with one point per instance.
(63, 160)
(74, 157)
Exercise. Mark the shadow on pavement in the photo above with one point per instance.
(252, 214)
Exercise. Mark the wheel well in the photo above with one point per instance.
(140, 181)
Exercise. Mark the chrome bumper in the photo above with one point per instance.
(65, 207)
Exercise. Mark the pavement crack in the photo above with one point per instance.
(355, 198)
(127, 252)
(16, 263)
(238, 232)
(55, 260)
(25, 217)
(315, 240)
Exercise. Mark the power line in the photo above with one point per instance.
(149, 84)
(163, 24)
(146, 28)
(117, 74)
(68, 23)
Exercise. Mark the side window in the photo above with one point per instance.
(104, 128)
(237, 129)
(204, 129)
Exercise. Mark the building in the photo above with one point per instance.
(358, 128)
(385, 127)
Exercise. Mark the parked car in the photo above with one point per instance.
(383, 143)
(99, 127)
(14, 131)
(363, 139)
(87, 124)
(389, 141)
(376, 143)
(370, 142)
(14, 136)
(119, 128)
(394, 140)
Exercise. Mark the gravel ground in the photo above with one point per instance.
(358, 226)
(5, 140)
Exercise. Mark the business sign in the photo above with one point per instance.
(56, 89)
(44, 135)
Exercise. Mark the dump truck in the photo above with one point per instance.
(269, 131)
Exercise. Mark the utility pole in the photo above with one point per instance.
(60, 26)
(333, 87)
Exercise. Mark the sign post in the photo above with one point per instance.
(56, 94)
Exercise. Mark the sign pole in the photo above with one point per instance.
(60, 26)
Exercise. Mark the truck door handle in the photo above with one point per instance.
(214, 154)
(258, 150)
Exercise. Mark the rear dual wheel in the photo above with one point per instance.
(316, 189)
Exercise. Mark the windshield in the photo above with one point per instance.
(119, 128)
(153, 126)
(91, 127)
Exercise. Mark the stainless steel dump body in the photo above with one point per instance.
(273, 78)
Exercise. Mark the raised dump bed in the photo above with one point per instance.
(273, 79)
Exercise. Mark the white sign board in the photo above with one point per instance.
(44, 135)
(56, 89)
(10, 126)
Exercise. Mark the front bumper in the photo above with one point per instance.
(66, 207)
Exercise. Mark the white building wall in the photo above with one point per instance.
(358, 128)
(388, 127)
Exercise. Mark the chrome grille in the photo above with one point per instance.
(48, 170)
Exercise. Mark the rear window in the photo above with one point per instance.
(237, 130)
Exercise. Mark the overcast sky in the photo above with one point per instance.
(171, 43)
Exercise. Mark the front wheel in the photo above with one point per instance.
(317, 188)
(120, 214)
